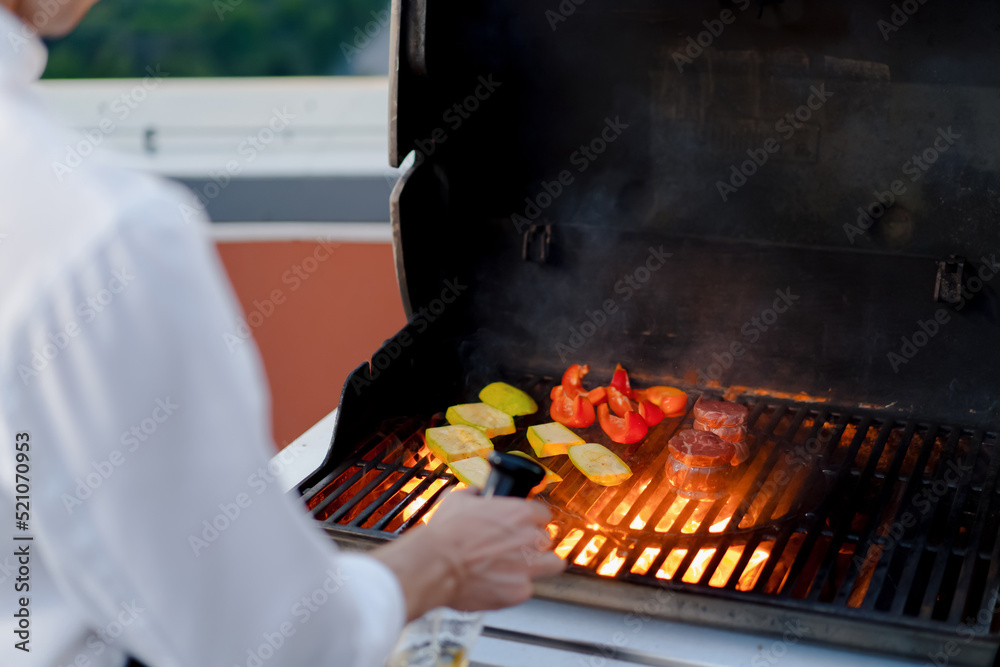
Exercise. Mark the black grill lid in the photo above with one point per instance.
(602, 199)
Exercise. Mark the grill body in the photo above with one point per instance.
(786, 203)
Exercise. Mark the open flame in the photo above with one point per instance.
(723, 572)
(589, 551)
(612, 564)
(614, 561)
(417, 503)
(645, 560)
(569, 543)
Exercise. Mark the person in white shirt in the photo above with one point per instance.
(126, 423)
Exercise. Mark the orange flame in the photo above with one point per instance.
(645, 560)
(552, 530)
(747, 580)
(626, 504)
(720, 576)
(589, 551)
(749, 577)
(569, 542)
(612, 563)
(422, 499)
(670, 565)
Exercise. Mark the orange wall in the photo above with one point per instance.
(338, 302)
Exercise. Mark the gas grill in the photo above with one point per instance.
(785, 204)
(842, 519)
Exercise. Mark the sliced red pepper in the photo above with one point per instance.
(620, 381)
(625, 431)
(650, 413)
(574, 412)
(572, 380)
(671, 400)
(596, 396)
(620, 404)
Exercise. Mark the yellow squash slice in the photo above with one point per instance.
(454, 443)
(551, 439)
(486, 418)
(599, 464)
(472, 472)
(509, 399)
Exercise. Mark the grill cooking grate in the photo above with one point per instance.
(837, 511)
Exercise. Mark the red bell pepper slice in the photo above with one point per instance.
(572, 380)
(671, 400)
(625, 431)
(620, 381)
(650, 413)
(619, 403)
(596, 396)
(574, 412)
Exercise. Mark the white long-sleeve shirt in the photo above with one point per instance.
(157, 529)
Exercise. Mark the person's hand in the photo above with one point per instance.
(476, 553)
(496, 546)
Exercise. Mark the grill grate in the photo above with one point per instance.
(840, 512)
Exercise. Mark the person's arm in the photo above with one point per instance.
(475, 553)
(150, 482)
(152, 438)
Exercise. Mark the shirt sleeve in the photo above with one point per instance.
(152, 493)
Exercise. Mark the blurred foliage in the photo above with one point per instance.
(120, 38)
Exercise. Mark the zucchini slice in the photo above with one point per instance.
(551, 439)
(599, 464)
(486, 418)
(509, 399)
(472, 471)
(454, 443)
